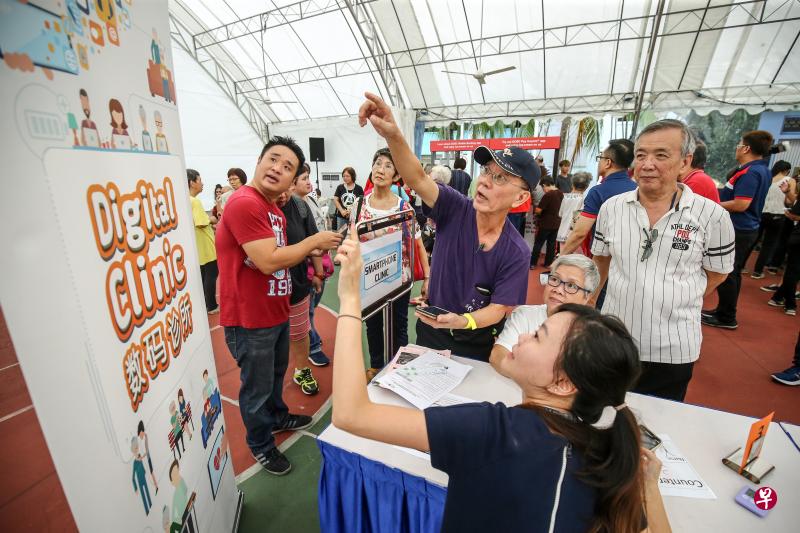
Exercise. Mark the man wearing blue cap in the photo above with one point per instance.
(480, 268)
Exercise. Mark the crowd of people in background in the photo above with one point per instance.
(653, 217)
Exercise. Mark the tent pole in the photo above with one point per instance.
(646, 74)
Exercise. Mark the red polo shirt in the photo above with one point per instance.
(702, 184)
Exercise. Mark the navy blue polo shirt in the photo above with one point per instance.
(504, 466)
(750, 182)
(612, 185)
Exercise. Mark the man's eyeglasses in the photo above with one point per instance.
(598, 157)
(569, 286)
(499, 179)
(649, 239)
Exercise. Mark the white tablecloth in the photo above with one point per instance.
(703, 435)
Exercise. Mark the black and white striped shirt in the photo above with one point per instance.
(660, 298)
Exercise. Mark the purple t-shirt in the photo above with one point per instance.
(459, 266)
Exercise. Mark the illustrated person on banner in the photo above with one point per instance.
(254, 288)
(139, 477)
(480, 268)
(89, 134)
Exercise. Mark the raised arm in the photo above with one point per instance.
(375, 111)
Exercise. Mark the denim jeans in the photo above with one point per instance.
(262, 355)
(315, 342)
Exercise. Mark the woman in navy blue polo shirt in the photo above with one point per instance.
(568, 458)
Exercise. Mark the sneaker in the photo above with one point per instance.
(306, 381)
(790, 376)
(780, 302)
(319, 359)
(707, 314)
(273, 462)
(715, 322)
(772, 270)
(770, 288)
(293, 423)
(790, 312)
(757, 275)
(214, 311)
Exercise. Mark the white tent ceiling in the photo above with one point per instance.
(572, 57)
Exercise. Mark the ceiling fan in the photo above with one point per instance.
(480, 75)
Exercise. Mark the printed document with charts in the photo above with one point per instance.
(426, 379)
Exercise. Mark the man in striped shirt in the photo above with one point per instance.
(662, 249)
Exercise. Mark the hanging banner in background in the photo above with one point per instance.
(383, 261)
(101, 283)
(526, 143)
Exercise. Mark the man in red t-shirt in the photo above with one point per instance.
(696, 179)
(255, 285)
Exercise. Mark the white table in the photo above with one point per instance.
(703, 435)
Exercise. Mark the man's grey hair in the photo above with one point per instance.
(688, 143)
(591, 276)
(427, 168)
(441, 174)
(581, 180)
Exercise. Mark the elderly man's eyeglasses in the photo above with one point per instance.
(649, 239)
(498, 178)
(554, 281)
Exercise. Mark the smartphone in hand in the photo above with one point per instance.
(432, 311)
(649, 439)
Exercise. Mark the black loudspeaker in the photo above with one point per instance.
(316, 145)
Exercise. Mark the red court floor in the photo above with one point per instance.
(732, 375)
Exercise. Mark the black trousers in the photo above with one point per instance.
(796, 360)
(209, 273)
(475, 344)
(790, 277)
(664, 380)
(544, 236)
(772, 226)
(780, 249)
(399, 331)
(728, 290)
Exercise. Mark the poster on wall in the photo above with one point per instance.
(101, 282)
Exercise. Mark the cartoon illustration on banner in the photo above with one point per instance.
(90, 108)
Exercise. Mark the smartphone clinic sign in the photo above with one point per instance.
(383, 262)
(468, 145)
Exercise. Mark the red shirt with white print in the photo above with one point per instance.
(247, 297)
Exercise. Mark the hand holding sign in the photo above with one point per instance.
(352, 266)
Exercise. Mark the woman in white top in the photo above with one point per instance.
(572, 204)
(772, 217)
(380, 202)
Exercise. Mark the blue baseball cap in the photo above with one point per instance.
(513, 160)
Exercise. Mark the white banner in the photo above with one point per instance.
(383, 261)
(101, 283)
